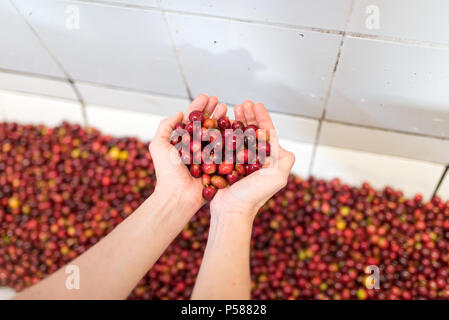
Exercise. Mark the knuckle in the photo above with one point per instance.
(164, 122)
(292, 157)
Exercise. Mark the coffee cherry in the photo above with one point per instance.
(219, 182)
(196, 115)
(195, 146)
(232, 177)
(262, 134)
(205, 179)
(225, 168)
(175, 140)
(240, 168)
(238, 125)
(195, 170)
(245, 156)
(209, 168)
(189, 128)
(252, 168)
(209, 192)
(210, 123)
(224, 123)
(264, 148)
(234, 142)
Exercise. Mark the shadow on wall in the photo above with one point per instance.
(235, 76)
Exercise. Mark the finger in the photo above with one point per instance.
(211, 106)
(263, 117)
(239, 115)
(199, 103)
(264, 122)
(281, 170)
(276, 150)
(166, 128)
(286, 160)
(248, 109)
(220, 111)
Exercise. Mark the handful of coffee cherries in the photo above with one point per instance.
(220, 152)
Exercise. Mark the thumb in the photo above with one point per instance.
(166, 128)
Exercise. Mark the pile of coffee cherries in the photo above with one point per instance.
(63, 189)
(220, 152)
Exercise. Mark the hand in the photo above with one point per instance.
(173, 177)
(247, 195)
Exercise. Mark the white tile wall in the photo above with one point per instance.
(19, 48)
(131, 100)
(123, 123)
(118, 46)
(123, 60)
(443, 190)
(289, 127)
(32, 84)
(385, 142)
(390, 85)
(408, 19)
(329, 14)
(286, 69)
(356, 167)
(150, 3)
(26, 108)
(295, 128)
(351, 166)
(303, 155)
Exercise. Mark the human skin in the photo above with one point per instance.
(225, 270)
(113, 267)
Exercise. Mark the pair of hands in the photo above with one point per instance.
(244, 197)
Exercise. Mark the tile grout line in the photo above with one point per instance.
(94, 84)
(203, 15)
(376, 153)
(176, 53)
(365, 126)
(360, 35)
(404, 41)
(163, 95)
(440, 182)
(113, 3)
(81, 102)
(38, 95)
(68, 78)
(329, 89)
(277, 113)
(129, 90)
(33, 75)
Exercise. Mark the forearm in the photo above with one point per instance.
(225, 270)
(112, 268)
